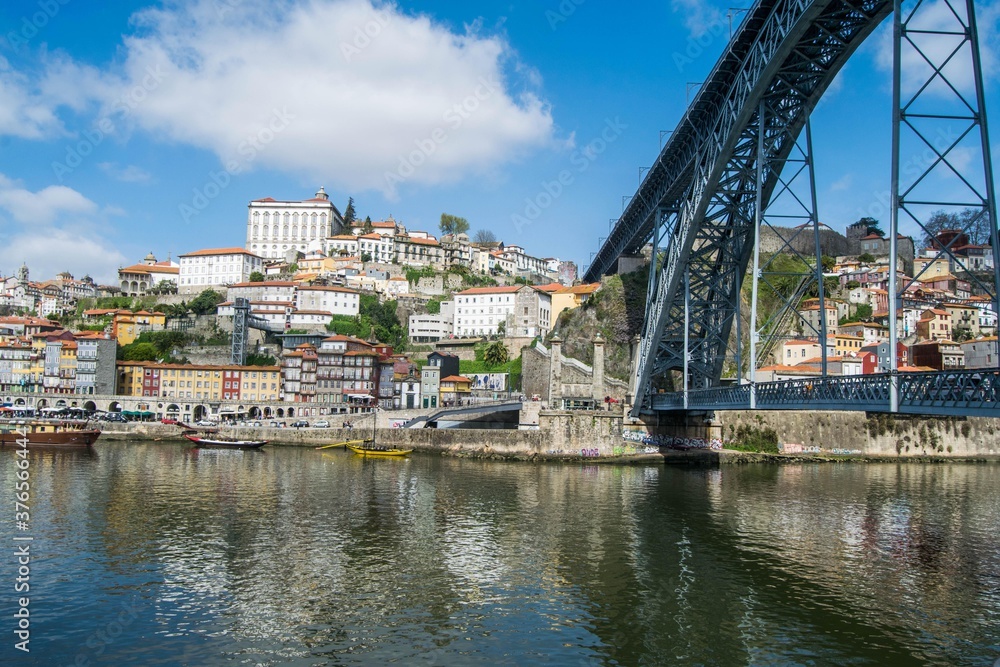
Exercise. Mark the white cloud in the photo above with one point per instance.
(55, 229)
(127, 174)
(842, 183)
(44, 206)
(24, 112)
(938, 16)
(49, 251)
(701, 17)
(339, 90)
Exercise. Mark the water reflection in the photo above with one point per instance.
(292, 556)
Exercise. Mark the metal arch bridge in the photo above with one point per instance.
(705, 195)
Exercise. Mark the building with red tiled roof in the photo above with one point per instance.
(934, 324)
(139, 279)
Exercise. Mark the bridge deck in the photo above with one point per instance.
(956, 393)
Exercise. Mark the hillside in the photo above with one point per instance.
(616, 311)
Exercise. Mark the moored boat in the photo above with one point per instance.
(227, 443)
(369, 448)
(47, 432)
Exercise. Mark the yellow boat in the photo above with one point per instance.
(370, 449)
(343, 444)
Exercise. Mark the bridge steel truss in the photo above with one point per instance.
(704, 196)
(966, 393)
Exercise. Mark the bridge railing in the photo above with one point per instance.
(964, 392)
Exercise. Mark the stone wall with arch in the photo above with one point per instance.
(173, 408)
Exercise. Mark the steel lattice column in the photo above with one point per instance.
(939, 114)
(241, 331)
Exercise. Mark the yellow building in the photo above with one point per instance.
(128, 325)
(199, 382)
(130, 374)
(930, 267)
(566, 298)
(260, 383)
(847, 345)
(454, 388)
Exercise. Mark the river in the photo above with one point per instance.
(160, 554)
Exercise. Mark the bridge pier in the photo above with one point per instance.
(685, 424)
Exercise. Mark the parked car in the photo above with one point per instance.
(322, 423)
(277, 424)
(115, 417)
(256, 424)
(302, 423)
(168, 420)
(204, 422)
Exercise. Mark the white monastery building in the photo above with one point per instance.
(276, 227)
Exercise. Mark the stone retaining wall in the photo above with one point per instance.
(558, 435)
(875, 434)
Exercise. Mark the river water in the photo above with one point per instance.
(160, 554)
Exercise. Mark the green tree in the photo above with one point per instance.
(257, 277)
(866, 258)
(139, 352)
(255, 359)
(872, 226)
(495, 354)
(206, 302)
(434, 306)
(501, 329)
(349, 214)
(828, 263)
(452, 224)
(366, 257)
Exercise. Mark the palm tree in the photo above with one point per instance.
(495, 354)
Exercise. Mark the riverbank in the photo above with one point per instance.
(571, 437)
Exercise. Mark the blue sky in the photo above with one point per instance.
(128, 127)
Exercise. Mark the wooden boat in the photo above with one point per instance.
(229, 444)
(345, 443)
(369, 448)
(48, 433)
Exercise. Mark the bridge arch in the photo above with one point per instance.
(707, 188)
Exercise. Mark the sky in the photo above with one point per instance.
(133, 127)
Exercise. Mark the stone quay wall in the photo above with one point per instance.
(577, 435)
(558, 435)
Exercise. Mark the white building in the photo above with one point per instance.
(427, 328)
(523, 261)
(275, 227)
(333, 300)
(204, 269)
(380, 248)
(272, 290)
(524, 311)
(309, 319)
(345, 245)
